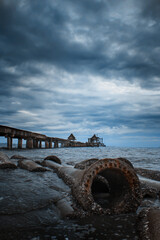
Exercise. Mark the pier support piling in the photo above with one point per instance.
(46, 144)
(56, 144)
(35, 143)
(29, 143)
(40, 144)
(9, 142)
(50, 144)
(19, 143)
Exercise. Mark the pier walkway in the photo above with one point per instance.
(34, 140)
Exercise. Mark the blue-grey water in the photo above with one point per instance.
(30, 197)
(148, 158)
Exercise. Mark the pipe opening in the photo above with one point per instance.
(109, 188)
(100, 190)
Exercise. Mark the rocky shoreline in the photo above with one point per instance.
(32, 196)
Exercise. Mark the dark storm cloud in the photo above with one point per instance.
(38, 31)
(151, 9)
(50, 50)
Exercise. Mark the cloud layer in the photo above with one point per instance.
(89, 66)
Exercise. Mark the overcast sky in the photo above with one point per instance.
(82, 67)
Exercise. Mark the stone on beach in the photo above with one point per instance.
(5, 162)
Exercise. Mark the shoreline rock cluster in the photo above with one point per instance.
(80, 179)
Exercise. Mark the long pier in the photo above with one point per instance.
(34, 140)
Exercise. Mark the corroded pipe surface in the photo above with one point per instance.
(107, 186)
(86, 163)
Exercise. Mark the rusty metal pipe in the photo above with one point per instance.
(107, 186)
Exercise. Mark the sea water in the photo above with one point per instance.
(148, 158)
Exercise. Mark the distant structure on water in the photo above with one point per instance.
(71, 137)
(34, 140)
(96, 141)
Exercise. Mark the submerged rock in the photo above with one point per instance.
(5, 162)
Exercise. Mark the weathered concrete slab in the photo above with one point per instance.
(53, 158)
(31, 166)
(152, 174)
(18, 157)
